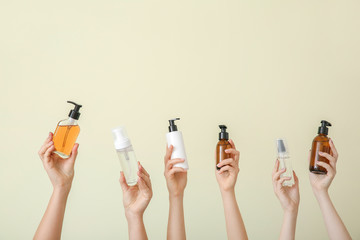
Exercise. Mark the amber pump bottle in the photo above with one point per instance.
(320, 144)
(66, 133)
(222, 145)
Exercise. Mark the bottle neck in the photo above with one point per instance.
(72, 121)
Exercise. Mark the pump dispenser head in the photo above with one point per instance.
(323, 129)
(173, 127)
(75, 112)
(121, 139)
(223, 134)
(282, 148)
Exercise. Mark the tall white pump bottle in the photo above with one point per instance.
(175, 138)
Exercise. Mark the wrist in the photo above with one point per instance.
(133, 217)
(291, 211)
(320, 192)
(61, 190)
(176, 195)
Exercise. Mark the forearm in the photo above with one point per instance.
(334, 225)
(136, 227)
(176, 224)
(234, 223)
(51, 224)
(288, 227)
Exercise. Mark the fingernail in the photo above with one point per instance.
(321, 153)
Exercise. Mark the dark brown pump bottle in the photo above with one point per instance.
(222, 145)
(320, 143)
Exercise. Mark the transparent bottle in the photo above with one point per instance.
(284, 159)
(126, 154)
(66, 133)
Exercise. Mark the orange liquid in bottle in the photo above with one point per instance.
(64, 139)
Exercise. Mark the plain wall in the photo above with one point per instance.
(266, 69)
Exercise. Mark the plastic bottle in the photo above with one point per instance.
(320, 143)
(284, 159)
(66, 132)
(126, 154)
(222, 145)
(175, 138)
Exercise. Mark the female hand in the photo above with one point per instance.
(289, 197)
(321, 182)
(136, 198)
(176, 177)
(227, 175)
(59, 170)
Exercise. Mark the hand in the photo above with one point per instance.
(59, 170)
(227, 175)
(321, 182)
(176, 177)
(289, 197)
(136, 198)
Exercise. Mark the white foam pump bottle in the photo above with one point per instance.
(126, 155)
(284, 159)
(175, 138)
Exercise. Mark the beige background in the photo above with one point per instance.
(265, 68)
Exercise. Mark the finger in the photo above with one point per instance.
(228, 161)
(233, 151)
(48, 153)
(232, 144)
(168, 153)
(145, 178)
(142, 169)
(74, 153)
(333, 150)
(282, 180)
(176, 170)
(123, 183)
(143, 187)
(45, 147)
(331, 159)
(276, 167)
(276, 176)
(296, 179)
(226, 168)
(329, 169)
(48, 139)
(172, 162)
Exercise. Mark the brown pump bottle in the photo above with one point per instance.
(320, 143)
(222, 145)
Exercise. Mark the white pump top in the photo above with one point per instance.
(121, 140)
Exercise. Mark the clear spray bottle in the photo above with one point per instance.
(126, 155)
(284, 159)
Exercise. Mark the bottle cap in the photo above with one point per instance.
(323, 129)
(223, 134)
(121, 139)
(282, 147)
(173, 127)
(75, 112)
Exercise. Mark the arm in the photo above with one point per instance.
(289, 198)
(136, 199)
(61, 174)
(226, 178)
(176, 179)
(320, 185)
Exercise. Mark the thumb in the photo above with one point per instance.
(74, 153)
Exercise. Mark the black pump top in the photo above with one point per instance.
(75, 112)
(223, 134)
(323, 129)
(173, 127)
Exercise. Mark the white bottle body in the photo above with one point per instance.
(128, 164)
(176, 140)
(286, 163)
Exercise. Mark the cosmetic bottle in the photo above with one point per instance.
(175, 138)
(66, 132)
(126, 154)
(222, 145)
(320, 144)
(284, 159)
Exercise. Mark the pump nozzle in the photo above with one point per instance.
(323, 129)
(75, 112)
(173, 127)
(223, 134)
